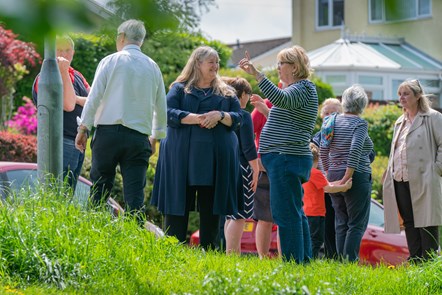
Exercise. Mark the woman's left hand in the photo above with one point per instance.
(247, 65)
(210, 120)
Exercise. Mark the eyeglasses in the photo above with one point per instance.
(280, 63)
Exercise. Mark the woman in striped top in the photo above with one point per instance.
(345, 155)
(284, 146)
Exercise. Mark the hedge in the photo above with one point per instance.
(18, 147)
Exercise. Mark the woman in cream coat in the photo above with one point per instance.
(412, 184)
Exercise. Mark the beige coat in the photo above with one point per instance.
(424, 159)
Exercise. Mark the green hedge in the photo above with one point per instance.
(381, 120)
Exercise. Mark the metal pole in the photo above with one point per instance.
(50, 116)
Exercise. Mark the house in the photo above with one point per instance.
(378, 64)
(376, 43)
(262, 53)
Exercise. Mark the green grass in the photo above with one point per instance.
(50, 245)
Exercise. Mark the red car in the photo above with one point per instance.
(376, 247)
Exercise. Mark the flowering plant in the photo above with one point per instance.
(25, 119)
(15, 55)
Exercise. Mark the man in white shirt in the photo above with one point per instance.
(127, 105)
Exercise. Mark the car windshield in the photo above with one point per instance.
(15, 180)
(376, 215)
(27, 179)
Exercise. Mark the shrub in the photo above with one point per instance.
(25, 119)
(18, 147)
(15, 55)
(377, 171)
(381, 119)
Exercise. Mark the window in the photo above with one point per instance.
(376, 216)
(330, 13)
(371, 80)
(393, 10)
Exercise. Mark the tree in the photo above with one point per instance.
(181, 15)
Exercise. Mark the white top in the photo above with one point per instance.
(128, 89)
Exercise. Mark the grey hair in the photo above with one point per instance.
(134, 31)
(354, 99)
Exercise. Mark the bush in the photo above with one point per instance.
(377, 171)
(381, 119)
(17, 147)
(25, 119)
(15, 57)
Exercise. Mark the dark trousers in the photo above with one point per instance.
(316, 226)
(329, 231)
(113, 145)
(352, 210)
(422, 242)
(176, 225)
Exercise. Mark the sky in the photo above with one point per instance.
(247, 20)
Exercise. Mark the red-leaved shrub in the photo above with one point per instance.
(18, 147)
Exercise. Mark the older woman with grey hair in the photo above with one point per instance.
(345, 149)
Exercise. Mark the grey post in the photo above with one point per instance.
(50, 116)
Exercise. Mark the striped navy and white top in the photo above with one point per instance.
(291, 120)
(350, 146)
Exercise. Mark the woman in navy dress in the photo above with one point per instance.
(234, 225)
(199, 158)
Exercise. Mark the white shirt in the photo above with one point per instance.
(128, 89)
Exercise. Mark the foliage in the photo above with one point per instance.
(18, 147)
(171, 50)
(377, 171)
(89, 50)
(25, 119)
(323, 89)
(381, 119)
(50, 245)
(160, 14)
(35, 20)
(15, 55)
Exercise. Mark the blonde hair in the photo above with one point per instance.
(424, 103)
(191, 73)
(332, 102)
(297, 56)
(315, 151)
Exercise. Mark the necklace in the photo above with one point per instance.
(206, 91)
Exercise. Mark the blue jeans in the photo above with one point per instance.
(72, 162)
(352, 210)
(286, 174)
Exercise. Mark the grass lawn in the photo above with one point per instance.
(50, 245)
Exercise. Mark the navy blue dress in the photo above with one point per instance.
(189, 150)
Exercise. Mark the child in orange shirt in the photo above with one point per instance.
(314, 202)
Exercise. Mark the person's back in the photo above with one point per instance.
(127, 105)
